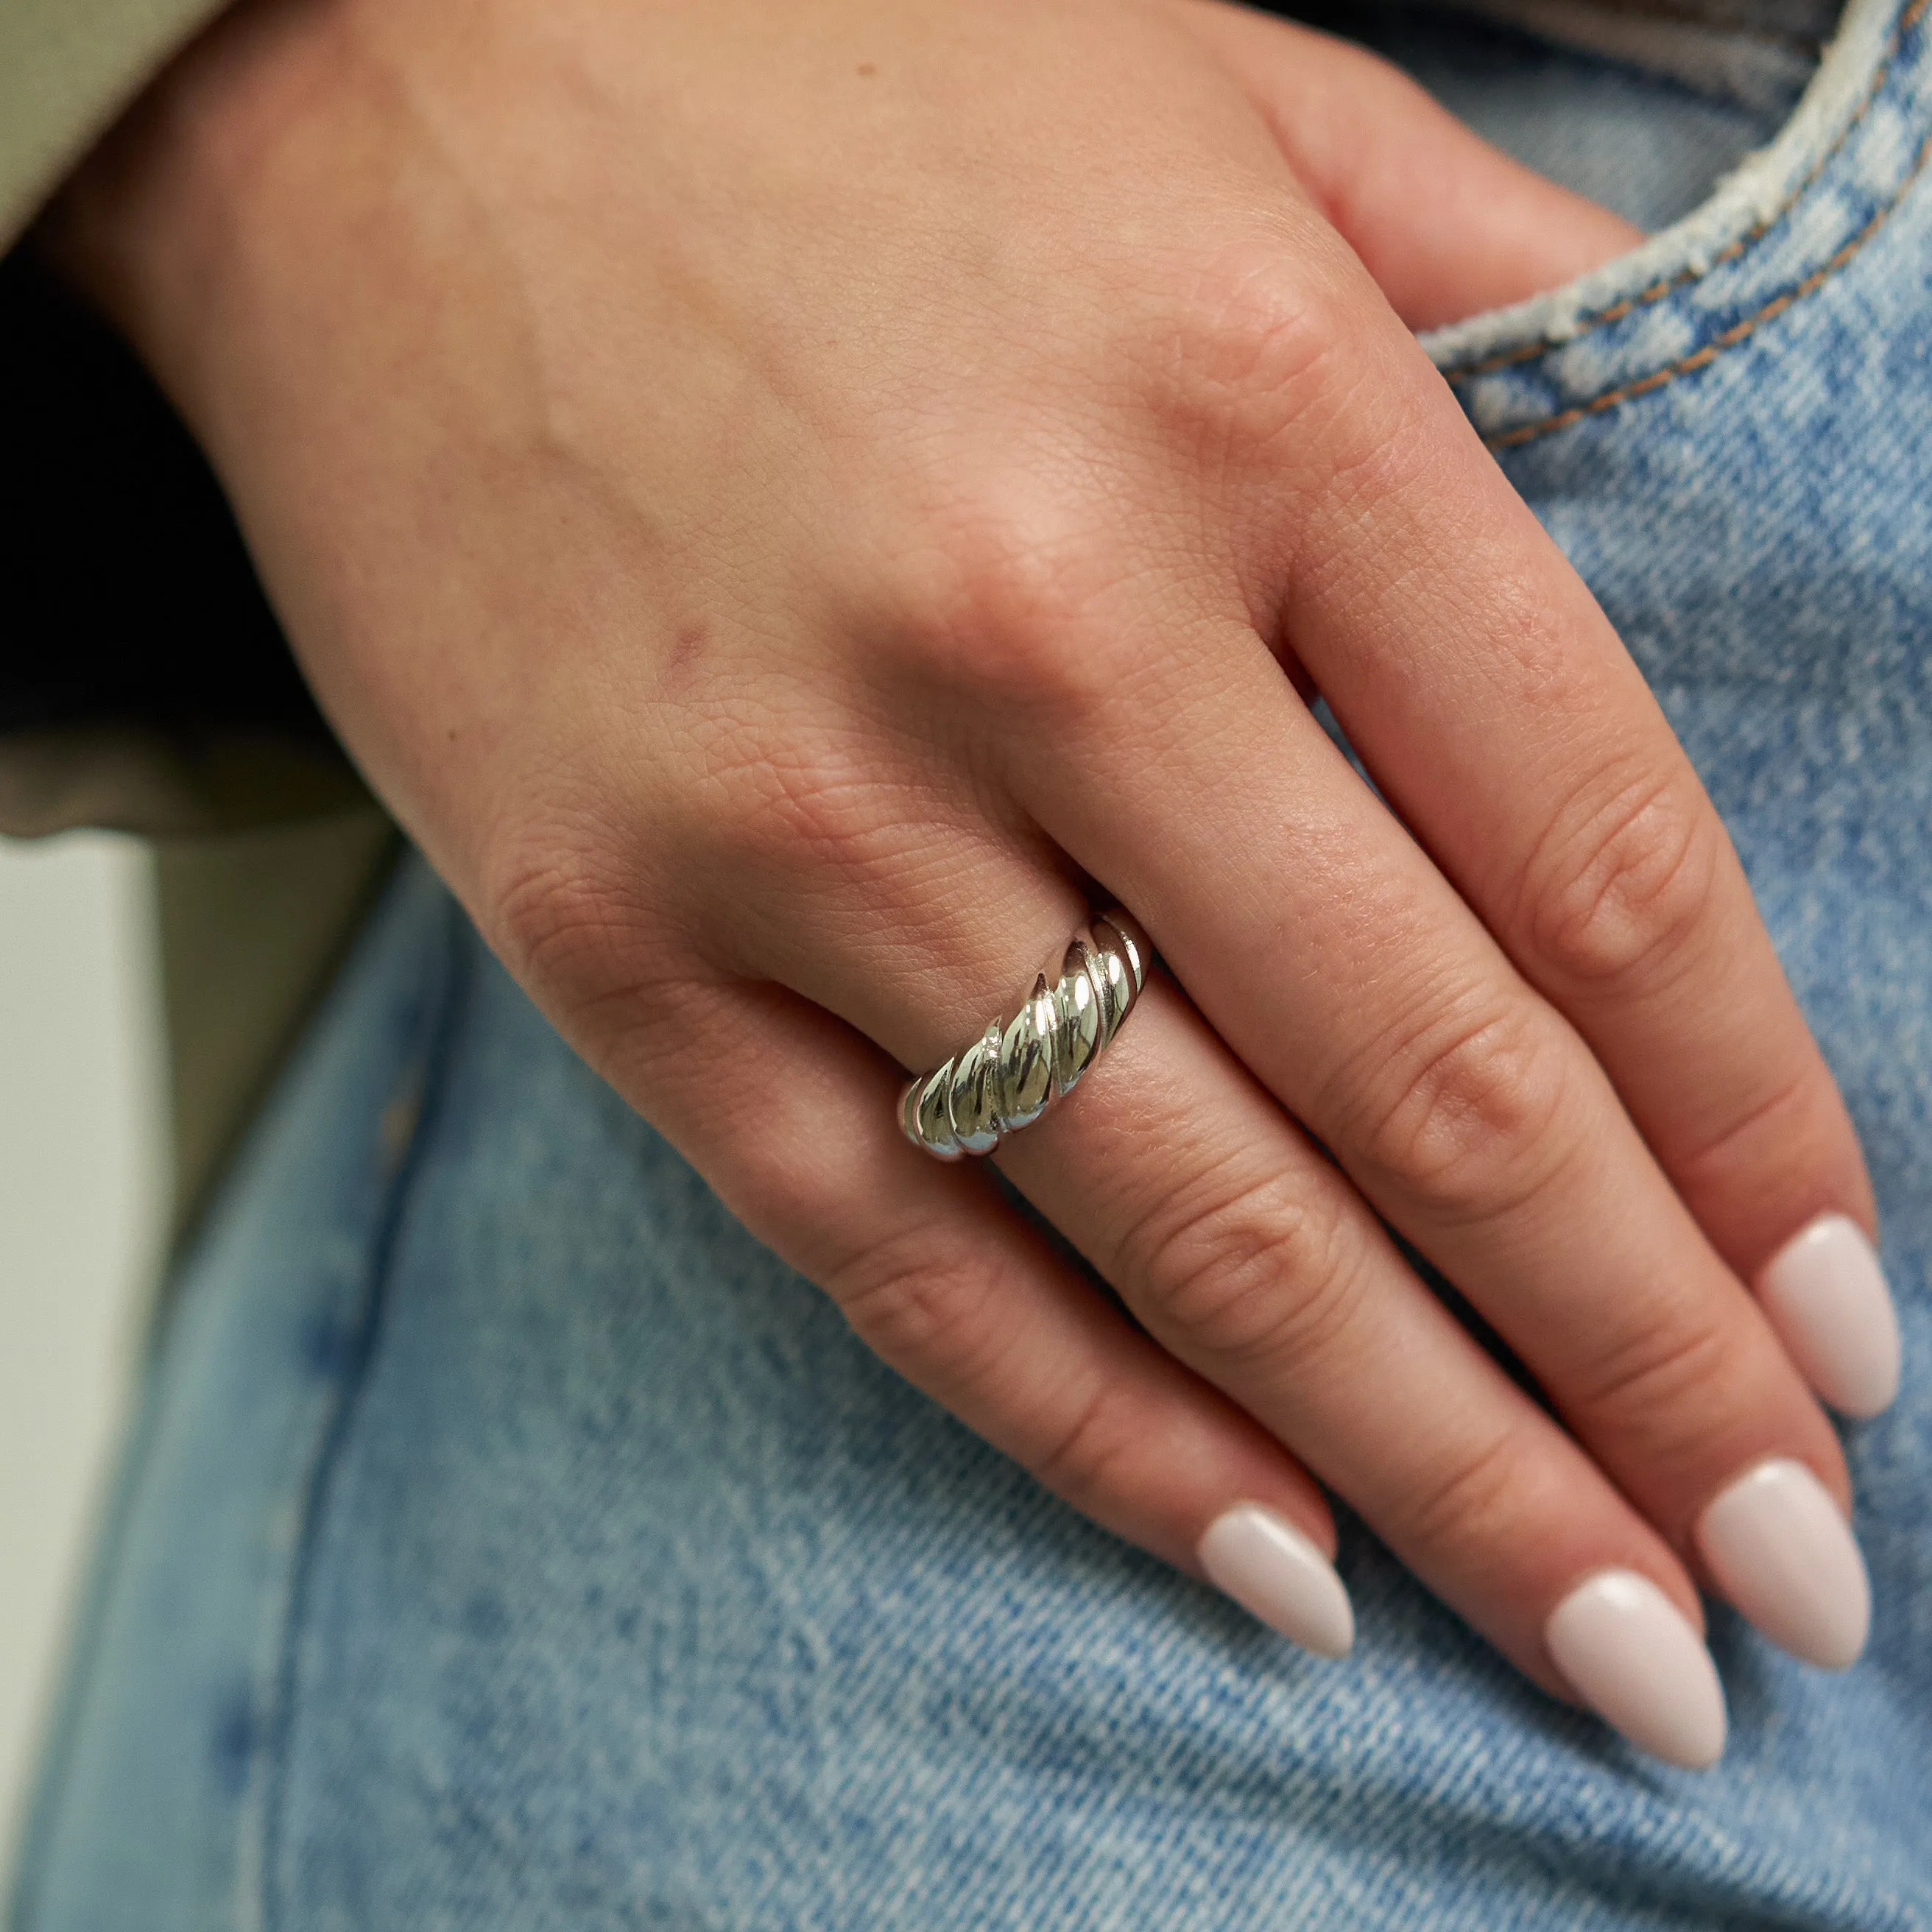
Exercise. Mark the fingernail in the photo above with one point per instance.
(1271, 1569)
(1629, 1654)
(1826, 1296)
(1782, 1553)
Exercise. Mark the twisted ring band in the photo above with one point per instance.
(1018, 1068)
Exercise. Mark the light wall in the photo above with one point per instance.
(83, 1172)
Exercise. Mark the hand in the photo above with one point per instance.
(791, 500)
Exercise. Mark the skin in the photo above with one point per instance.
(789, 501)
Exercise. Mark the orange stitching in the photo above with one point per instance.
(1739, 331)
(1657, 290)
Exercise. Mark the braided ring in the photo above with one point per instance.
(1018, 1068)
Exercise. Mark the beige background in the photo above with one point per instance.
(83, 1189)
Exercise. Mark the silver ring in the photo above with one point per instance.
(1018, 1068)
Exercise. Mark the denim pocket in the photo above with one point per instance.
(1785, 225)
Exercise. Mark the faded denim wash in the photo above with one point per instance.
(510, 1542)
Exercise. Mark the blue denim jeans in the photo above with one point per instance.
(509, 1541)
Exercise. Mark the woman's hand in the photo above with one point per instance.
(780, 495)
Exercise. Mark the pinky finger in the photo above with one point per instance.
(792, 1118)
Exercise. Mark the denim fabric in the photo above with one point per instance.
(510, 1542)
(1643, 144)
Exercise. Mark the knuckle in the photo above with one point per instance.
(1465, 1115)
(1651, 1383)
(917, 1309)
(588, 937)
(1478, 1497)
(1792, 1128)
(562, 913)
(1007, 606)
(1253, 326)
(1270, 360)
(1769, 1162)
(1085, 1458)
(1621, 893)
(781, 1194)
(1257, 1275)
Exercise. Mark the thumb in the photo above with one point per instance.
(1446, 224)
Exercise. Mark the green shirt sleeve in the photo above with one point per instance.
(68, 68)
(145, 684)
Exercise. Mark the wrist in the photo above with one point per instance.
(152, 225)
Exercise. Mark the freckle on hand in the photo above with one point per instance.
(866, 70)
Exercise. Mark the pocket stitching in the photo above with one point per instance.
(1739, 331)
(1645, 298)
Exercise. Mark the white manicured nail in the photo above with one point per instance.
(1826, 1296)
(1269, 1567)
(1629, 1654)
(1782, 1553)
